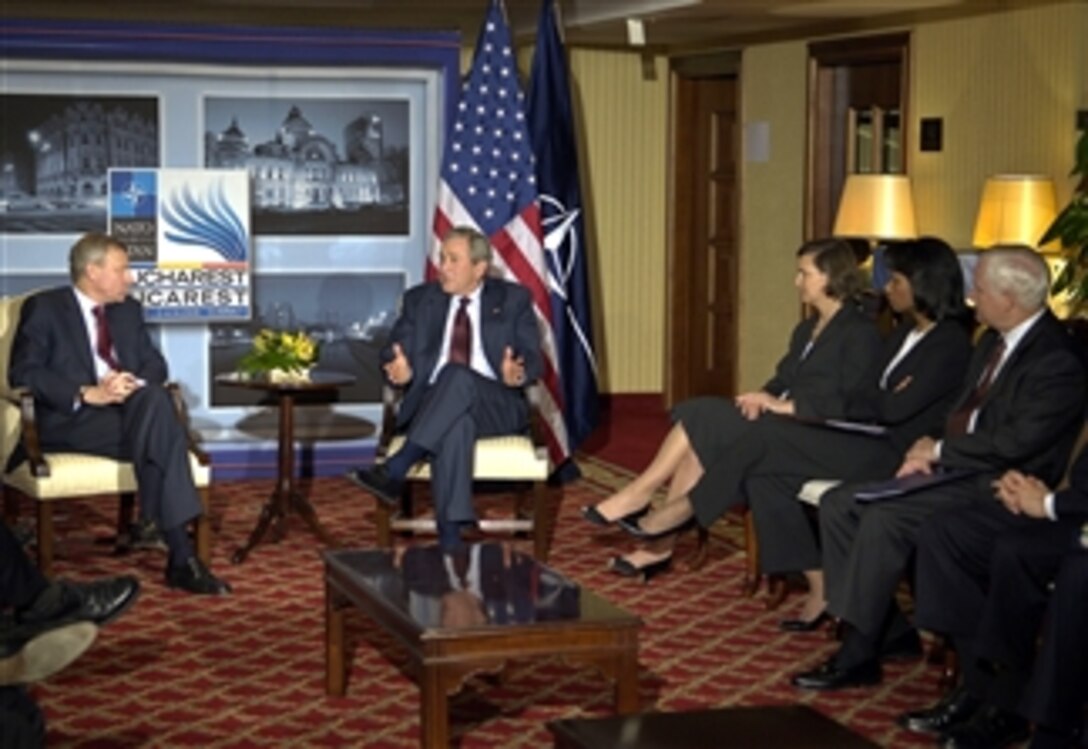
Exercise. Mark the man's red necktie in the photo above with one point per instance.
(104, 343)
(960, 419)
(461, 336)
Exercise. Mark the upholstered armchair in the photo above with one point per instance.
(48, 478)
(518, 460)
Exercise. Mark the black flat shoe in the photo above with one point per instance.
(631, 526)
(804, 625)
(378, 482)
(623, 568)
(593, 515)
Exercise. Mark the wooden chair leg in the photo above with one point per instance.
(381, 523)
(11, 506)
(45, 538)
(750, 584)
(777, 590)
(540, 523)
(699, 557)
(125, 510)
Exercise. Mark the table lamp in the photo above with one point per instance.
(877, 207)
(1015, 209)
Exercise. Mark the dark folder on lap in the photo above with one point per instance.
(899, 487)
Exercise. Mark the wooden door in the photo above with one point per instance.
(702, 284)
(856, 120)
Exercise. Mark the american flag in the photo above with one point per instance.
(488, 181)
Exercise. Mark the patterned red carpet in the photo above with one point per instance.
(248, 670)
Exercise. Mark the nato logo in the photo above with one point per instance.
(133, 194)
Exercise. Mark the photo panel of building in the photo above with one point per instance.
(55, 151)
(318, 166)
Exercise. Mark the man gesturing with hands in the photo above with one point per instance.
(463, 350)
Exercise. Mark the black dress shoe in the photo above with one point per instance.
(145, 535)
(98, 601)
(804, 625)
(194, 577)
(378, 482)
(829, 675)
(989, 728)
(905, 647)
(624, 568)
(1046, 737)
(954, 708)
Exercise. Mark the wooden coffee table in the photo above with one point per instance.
(462, 614)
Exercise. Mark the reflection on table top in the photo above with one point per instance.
(483, 585)
(319, 379)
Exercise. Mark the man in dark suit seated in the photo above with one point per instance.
(464, 348)
(46, 626)
(984, 574)
(87, 356)
(1021, 406)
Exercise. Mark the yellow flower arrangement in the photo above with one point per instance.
(280, 354)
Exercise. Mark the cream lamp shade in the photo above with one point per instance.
(876, 206)
(1015, 209)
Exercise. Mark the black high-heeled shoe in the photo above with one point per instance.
(632, 527)
(804, 625)
(593, 515)
(624, 568)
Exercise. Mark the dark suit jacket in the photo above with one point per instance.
(1072, 501)
(924, 383)
(829, 383)
(51, 353)
(1032, 413)
(506, 319)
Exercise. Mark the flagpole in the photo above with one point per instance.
(558, 13)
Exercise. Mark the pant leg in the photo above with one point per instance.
(22, 723)
(1022, 569)
(840, 521)
(156, 443)
(955, 556)
(788, 539)
(458, 408)
(1056, 694)
(871, 549)
(20, 580)
(145, 430)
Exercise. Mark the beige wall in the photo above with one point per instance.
(772, 206)
(1007, 86)
(622, 115)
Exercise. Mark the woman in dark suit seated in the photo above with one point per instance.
(915, 381)
(822, 376)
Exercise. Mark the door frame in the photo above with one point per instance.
(678, 217)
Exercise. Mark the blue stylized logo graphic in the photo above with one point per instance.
(209, 222)
(132, 194)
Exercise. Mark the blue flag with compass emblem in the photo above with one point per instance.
(551, 131)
